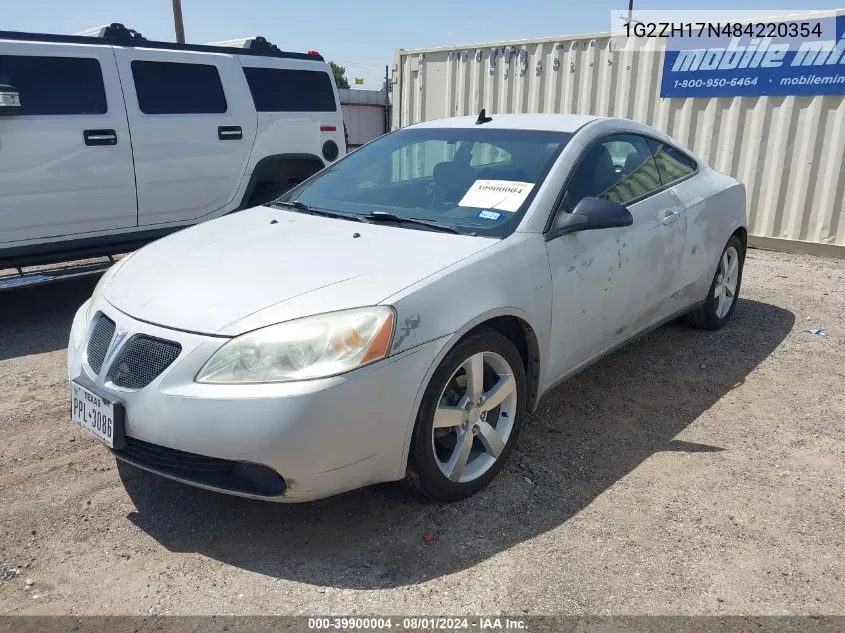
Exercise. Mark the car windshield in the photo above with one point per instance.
(467, 180)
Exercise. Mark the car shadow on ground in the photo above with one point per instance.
(589, 432)
(38, 319)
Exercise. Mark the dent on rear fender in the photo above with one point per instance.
(715, 209)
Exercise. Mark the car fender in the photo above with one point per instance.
(716, 206)
(525, 293)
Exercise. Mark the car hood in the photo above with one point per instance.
(265, 265)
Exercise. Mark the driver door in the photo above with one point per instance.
(603, 280)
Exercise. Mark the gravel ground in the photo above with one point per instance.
(691, 473)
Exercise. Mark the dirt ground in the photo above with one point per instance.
(691, 473)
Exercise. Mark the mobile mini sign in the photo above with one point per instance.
(757, 60)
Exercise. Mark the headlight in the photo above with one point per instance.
(312, 347)
(104, 280)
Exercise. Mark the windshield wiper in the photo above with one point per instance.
(301, 206)
(385, 216)
(373, 216)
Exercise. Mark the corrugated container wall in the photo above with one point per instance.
(789, 151)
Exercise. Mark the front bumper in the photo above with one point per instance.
(321, 437)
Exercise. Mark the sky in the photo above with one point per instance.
(361, 35)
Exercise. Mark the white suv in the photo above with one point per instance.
(109, 142)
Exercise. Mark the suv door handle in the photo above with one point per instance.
(100, 137)
(230, 133)
(670, 216)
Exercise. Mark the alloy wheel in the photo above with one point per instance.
(727, 278)
(474, 417)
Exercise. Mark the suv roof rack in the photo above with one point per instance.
(255, 43)
(260, 44)
(118, 34)
(117, 31)
(114, 31)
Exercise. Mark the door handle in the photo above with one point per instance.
(100, 137)
(230, 133)
(670, 216)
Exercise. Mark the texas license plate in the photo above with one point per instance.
(100, 417)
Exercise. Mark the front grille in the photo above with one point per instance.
(99, 342)
(142, 360)
(244, 477)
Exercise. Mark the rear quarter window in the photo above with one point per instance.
(672, 163)
(288, 90)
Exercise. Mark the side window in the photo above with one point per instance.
(175, 88)
(671, 163)
(487, 154)
(285, 90)
(620, 168)
(406, 163)
(55, 85)
(422, 160)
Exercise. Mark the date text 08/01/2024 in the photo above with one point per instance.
(417, 623)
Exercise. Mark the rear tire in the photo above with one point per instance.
(723, 296)
(469, 418)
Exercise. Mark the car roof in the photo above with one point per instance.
(547, 122)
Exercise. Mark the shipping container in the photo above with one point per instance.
(788, 150)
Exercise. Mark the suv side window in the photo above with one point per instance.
(672, 164)
(177, 88)
(620, 168)
(286, 90)
(55, 85)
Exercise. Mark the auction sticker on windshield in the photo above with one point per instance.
(502, 195)
(96, 415)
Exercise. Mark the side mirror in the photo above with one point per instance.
(589, 214)
(10, 100)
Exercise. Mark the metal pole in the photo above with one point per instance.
(177, 21)
(630, 9)
(387, 101)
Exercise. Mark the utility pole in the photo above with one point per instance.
(630, 9)
(386, 100)
(177, 21)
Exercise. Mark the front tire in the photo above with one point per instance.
(722, 298)
(469, 418)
